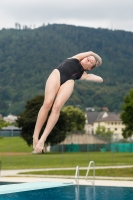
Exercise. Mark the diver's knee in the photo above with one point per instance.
(47, 104)
(56, 108)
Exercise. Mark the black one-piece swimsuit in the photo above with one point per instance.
(70, 69)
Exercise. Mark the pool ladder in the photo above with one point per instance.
(86, 177)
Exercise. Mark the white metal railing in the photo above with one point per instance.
(86, 177)
(88, 169)
(77, 175)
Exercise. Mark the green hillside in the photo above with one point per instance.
(28, 56)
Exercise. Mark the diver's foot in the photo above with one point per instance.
(35, 141)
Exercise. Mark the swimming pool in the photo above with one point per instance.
(72, 192)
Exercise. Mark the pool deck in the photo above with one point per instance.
(116, 183)
(13, 176)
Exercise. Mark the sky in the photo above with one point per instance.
(110, 14)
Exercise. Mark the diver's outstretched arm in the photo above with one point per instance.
(91, 77)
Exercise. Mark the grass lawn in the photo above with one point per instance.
(14, 144)
(55, 160)
(124, 172)
(23, 159)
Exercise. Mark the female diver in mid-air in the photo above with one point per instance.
(60, 84)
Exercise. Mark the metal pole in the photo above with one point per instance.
(62, 154)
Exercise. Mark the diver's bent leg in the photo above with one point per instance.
(42, 116)
(50, 93)
(63, 95)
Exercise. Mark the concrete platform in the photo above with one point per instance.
(101, 182)
(13, 176)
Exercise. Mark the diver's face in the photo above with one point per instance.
(88, 62)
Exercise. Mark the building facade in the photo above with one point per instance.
(111, 121)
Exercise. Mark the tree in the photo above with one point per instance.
(127, 115)
(75, 118)
(103, 133)
(3, 123)
(27, 121)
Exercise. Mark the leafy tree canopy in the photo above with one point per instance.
(27, 121)
(3, 123)
(75, 118)
(66, 122)
(127, 115)
(103, 133)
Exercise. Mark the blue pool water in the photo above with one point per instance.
(73, 193)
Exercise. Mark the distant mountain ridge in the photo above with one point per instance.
(28, 56)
